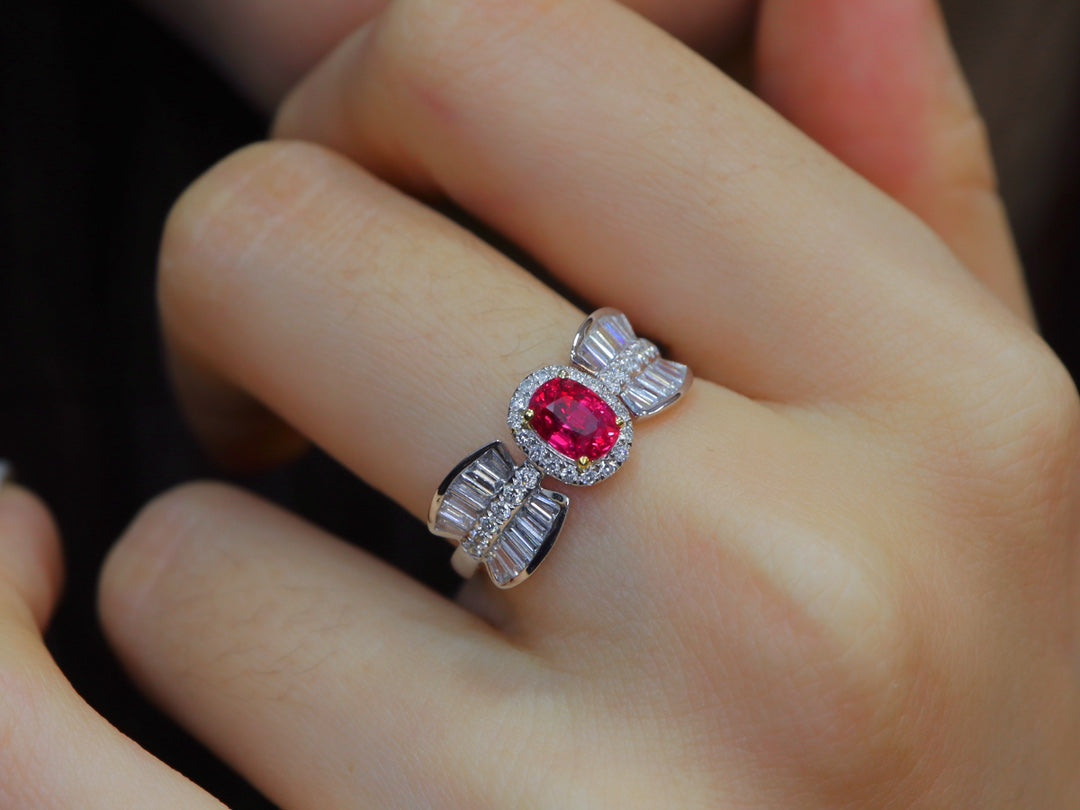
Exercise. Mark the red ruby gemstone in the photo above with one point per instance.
(573, 419)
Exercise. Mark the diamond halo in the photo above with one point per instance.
(543, 455)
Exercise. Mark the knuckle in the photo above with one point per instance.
(1056, 389)
(1036, 434)
(867, 696)
(853, 633)
(1057, 408)
(1047, 444)
(842, 627)
(1006, 428)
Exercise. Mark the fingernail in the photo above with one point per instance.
(7, 472)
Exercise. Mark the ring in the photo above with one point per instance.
(575, 423)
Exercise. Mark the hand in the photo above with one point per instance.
(55, 751)
(841, 574)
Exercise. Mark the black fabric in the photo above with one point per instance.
(105, 118)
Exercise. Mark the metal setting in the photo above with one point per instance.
(568, 470)
(630, 366)
(494, 510)
(498, 514)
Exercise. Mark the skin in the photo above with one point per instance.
(840, 574)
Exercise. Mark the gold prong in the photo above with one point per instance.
(584, 463)
(563, 373)
(527, 417)
(620, 423)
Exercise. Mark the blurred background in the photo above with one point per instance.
(105, 117)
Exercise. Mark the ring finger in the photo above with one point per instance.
(394, 338)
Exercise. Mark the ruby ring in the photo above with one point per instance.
(575, 424)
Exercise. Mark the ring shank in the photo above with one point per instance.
(463, 563)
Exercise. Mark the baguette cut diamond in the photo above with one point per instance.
(630, 366)
(574, 420)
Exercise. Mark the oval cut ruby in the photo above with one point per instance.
(573, 419)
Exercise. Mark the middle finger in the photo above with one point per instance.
(646, 179)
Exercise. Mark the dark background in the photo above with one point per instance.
(105, 118)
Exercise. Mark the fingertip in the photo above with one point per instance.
(137, 560)
(170, 533)
(31, 559)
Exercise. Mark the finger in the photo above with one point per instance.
(57, 753)
(31, 565)
(324, 676)
(877, 84)
(658, 185)
(266, 47)
(366, 321)
(237, 431)
(394, 340)
(710, 27)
